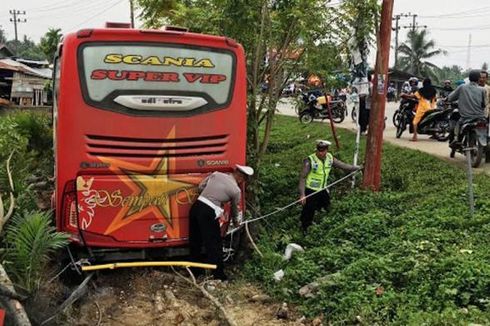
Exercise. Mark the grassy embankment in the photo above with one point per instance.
(409, 254)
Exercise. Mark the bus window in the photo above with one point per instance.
(156, 79)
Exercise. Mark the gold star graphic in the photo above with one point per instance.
(155, 194)
(157, 188)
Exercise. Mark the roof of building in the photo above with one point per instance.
(9, 64)
(31, 63)
(3, 47)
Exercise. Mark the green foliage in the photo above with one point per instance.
(29, 135)
(26, 49)
(452, 73)
(415, 53)
(49, 42)
(30, 241)
(408, 255)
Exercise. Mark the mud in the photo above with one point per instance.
(156, 297)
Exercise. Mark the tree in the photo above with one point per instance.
(415, 53)
(26, 49)
(49, 42)
(281, 38)
(451, 73)
(3, 39)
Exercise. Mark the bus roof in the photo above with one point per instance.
(128, 34)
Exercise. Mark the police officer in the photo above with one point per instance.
(216, 190)
(313, 178)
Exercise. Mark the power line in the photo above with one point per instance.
(459, 13)
(92, 6)
(98, 14)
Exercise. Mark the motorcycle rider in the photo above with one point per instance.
(407, 92)
(483, 83)
(446, 89)
(426, 97)
(471, 102)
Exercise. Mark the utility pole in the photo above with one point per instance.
(16, 20)
(396, 18)
(397, 29)
(468, 55)
(374, 146)
(131, 8)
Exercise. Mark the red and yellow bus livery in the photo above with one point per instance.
(140, 118)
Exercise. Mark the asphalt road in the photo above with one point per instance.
(424, 144)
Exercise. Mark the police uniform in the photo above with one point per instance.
(314, 178)
(217, 189)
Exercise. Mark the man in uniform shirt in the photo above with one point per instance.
(216, 190)
(313, 178)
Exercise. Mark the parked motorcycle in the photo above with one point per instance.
(472, 139)
(433, 122)
(317, 107)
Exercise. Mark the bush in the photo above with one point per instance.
(30, 240)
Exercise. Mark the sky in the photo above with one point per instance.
(449, 22)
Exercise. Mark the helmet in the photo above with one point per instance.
(474, 75)
(413, 80)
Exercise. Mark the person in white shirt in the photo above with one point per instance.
(216, 190)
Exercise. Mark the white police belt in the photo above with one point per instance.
(218, 211)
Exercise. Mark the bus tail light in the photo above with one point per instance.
(69, 205)
(84, 33)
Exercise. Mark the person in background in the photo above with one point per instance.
(426, 97)
(365, 108)
(216, 190)
(313, 178)
(471, 103)
(483, 83)
(446, 89)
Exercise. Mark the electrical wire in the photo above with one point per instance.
(112, 5)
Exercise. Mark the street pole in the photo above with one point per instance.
(374, 146)
(397, 18)
(131, 8)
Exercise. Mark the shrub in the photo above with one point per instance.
(30, 240)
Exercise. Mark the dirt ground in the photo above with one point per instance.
(160, 297)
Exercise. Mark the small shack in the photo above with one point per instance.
(23, 85)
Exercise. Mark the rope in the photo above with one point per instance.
(293, 203)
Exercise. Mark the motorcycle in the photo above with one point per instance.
(405, 104)
(472, 138)
(317, 107)
(434, 122)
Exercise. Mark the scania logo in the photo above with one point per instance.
(159, 227)
(202, 163)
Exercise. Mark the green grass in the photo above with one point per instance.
(414, 239)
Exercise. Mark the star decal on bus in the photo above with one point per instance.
(156, 193)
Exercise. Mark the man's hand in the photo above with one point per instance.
(302, 200)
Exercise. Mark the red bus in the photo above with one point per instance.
(140, 117)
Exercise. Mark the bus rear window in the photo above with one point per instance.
(149, 79)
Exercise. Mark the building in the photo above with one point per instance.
(5, 52)
(23, 82)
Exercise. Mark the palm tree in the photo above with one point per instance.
(49, 42)
(415, 51)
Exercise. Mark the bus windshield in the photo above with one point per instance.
(156, 77)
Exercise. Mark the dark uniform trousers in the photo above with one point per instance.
(204, 229)
(313, 203)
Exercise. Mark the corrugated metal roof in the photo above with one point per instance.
(9, 64)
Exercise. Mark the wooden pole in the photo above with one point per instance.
(374, 146)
